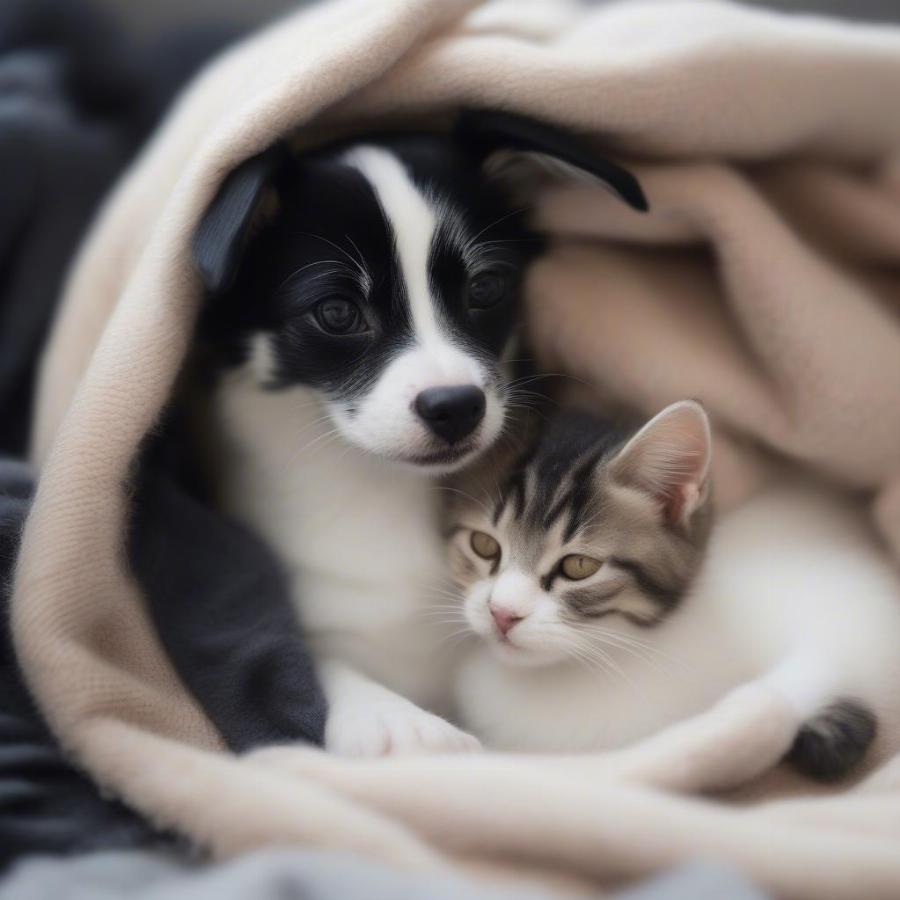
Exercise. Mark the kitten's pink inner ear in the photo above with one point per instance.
(669, 458)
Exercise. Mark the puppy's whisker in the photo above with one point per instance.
(455, 490)
(337, 247)
(297, 272)
(497, 221)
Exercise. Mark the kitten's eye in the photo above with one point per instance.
(338, 316)
(576, 567)
(484, 545)
(487, 289)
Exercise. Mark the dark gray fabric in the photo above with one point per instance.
(76, 101)
(148, 17)
(45, 806)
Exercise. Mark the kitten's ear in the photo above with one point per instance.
(669, 458)
(523, 153)
(225, 229)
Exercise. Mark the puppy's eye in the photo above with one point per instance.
(487, 289)
(484, 545)
(576, 567)
(338, 316)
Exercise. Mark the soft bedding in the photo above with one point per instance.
(763, 282)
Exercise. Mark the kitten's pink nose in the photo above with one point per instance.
(504, 618)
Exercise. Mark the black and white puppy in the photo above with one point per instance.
(362, 298)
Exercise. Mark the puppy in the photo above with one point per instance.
(362, 299)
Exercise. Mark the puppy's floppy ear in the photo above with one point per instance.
(513, 145)
(222, 235)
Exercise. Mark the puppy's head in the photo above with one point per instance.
(385, 275)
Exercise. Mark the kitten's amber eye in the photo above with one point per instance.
(484, 545)
(576, 567)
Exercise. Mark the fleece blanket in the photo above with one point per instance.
(762, 282)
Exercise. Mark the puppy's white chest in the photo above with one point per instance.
(358, 536)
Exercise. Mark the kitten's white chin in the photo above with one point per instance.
(510, 653)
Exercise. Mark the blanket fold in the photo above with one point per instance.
(764, 282)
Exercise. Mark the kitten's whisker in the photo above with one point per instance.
(633, 640)
(608, 659)
(637, 653)
(444, 621)
(462, 493)
(445, 610)
(620, 638)
(455, 637)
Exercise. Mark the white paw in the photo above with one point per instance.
(394, 727)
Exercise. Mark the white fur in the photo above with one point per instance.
(795, 607)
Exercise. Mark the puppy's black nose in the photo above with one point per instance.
(451, 412)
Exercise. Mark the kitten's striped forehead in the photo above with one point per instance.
(553, 487)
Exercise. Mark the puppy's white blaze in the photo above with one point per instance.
(413, 222)
(385, 420)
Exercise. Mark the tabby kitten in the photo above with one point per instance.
(611, 611)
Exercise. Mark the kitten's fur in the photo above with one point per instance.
(778, 639)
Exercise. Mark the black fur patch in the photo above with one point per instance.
(830, 744)
(330, 237)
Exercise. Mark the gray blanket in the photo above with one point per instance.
(283, 875)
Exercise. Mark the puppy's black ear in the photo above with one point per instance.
(222, 235)
(519, 148)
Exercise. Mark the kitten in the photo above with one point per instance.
(611, 611)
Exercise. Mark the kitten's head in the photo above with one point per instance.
(590, 538)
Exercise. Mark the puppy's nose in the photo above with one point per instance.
(504, 619)
(451, 412)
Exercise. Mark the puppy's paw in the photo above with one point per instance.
(393, 727)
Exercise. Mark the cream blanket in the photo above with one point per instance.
(765, 281)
